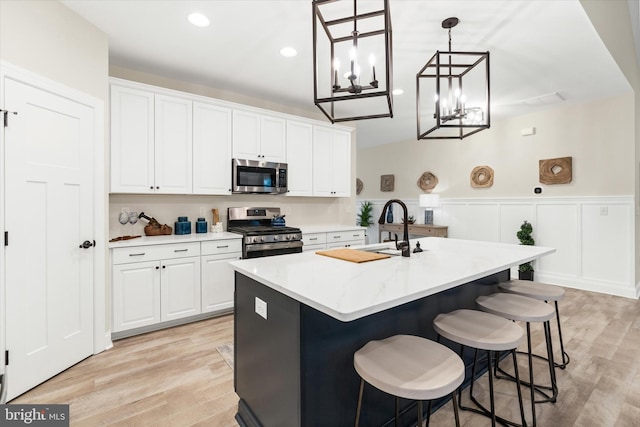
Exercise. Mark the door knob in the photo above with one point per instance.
(87, 244)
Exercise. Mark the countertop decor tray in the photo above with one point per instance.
(353, 255)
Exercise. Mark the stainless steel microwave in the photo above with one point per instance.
(256, 176)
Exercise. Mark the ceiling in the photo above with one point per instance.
(537, 48)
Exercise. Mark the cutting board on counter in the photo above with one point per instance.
(353, 255)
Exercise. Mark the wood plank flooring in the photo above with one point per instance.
(176, 378)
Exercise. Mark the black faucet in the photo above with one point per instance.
(404, 244)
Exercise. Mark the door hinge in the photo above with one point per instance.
(6, 358)
(6, 113)
(6, 238)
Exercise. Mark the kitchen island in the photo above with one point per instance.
(299, 318)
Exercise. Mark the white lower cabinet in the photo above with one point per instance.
(153, 284)
(332, 239)
(136, 295)
(179, 288)
(345, 239)
(217, 274)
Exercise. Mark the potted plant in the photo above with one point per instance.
(365, 216)
(525, 271)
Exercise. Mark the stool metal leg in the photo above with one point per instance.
(419, 413)
(455, 408)
(397, 410)
(359, 402)
(565, 356)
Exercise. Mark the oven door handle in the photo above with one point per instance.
(269, 246)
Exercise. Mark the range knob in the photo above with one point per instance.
(276, 238)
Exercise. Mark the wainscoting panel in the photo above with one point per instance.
(593, 236)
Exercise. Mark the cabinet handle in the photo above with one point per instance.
(337, 237)
(140, 254)
(356, 235)
(157, 268)
(180, 250)
(157, 188)
(222, 247)
(151, 188)
(313, 238)
(164, 266)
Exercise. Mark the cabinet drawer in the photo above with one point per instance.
(155, 252)
(345, 236)
(314, 238)
(214, 247)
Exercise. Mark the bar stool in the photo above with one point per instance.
(528, 310)
(483, 331)
(409, 367)
(546, 293)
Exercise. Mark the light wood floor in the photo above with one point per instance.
(176, 377)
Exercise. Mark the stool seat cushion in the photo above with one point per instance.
(478, 329)
(537, 290)
(516, 307)
(410, 367)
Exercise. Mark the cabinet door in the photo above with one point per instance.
(341, 153)
(136, 295)
(211, 149)
(322, 162)
(217, 281)
(180, 288)
(272, 139)
(132, 140)
(173, 145)
(246, 135)
(299, 158)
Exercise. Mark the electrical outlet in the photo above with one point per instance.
(261, 308)
(604, 210)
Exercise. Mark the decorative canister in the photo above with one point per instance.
(183, 225)
(390, 215)
(201, 225)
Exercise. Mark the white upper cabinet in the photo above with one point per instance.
(258, 137)
(211, 149)
(174, 143)
(331, 162)
(299, 158)
(151, 142)
(132, 140)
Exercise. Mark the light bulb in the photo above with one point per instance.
(336, 64)
(372, 60)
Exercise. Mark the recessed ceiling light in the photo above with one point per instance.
(397, 92)
(288, 52)
(198, 19)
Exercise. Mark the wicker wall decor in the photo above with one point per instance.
(359, 185)
(482, 177)
(556, 171)
(427, 182)
(387, 182)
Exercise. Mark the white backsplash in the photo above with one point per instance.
(167, 208)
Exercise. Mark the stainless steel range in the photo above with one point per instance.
(261, 237)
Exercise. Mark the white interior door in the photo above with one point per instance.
(49, 214)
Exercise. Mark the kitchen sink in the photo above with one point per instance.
(382, 248)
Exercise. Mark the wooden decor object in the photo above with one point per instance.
(556, 171)
(353, 255)
(482, 177)
(359, 186)
(387, 182)
(427, 182)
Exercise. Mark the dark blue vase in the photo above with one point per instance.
(390, 215)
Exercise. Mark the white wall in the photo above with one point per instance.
(592, 235)
(597, 135)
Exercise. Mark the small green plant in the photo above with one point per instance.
(524, 235)
(365, 215)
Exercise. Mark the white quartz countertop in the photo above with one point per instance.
(348, 291)
(173, 238)
(328, 228)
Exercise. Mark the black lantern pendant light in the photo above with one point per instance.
(349, 33)
(446, 108)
